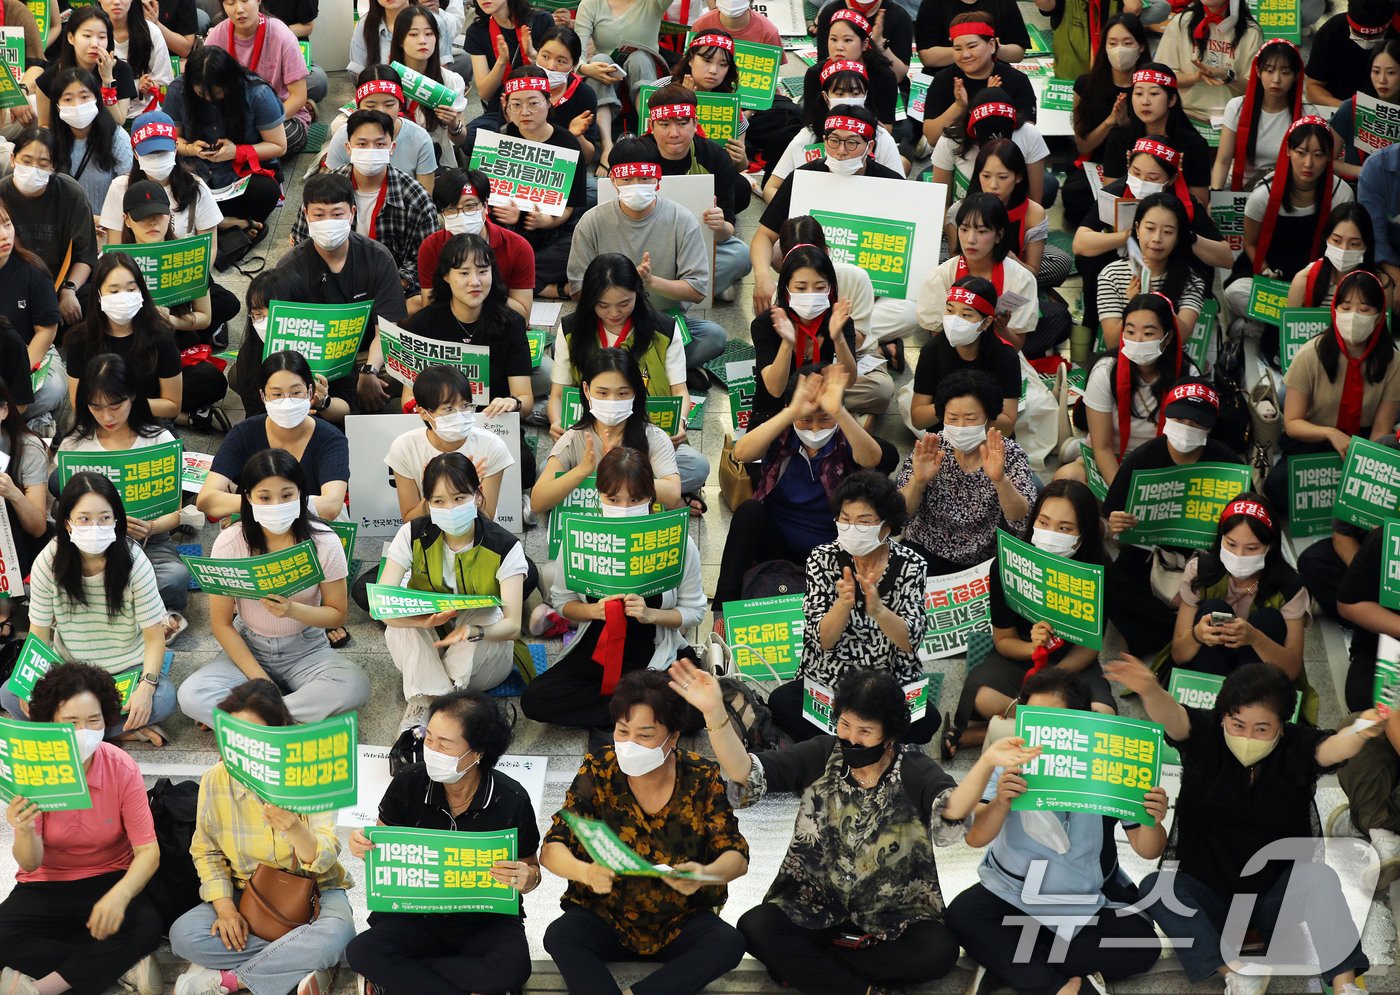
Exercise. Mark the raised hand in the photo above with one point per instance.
(644, 270)
(927, 456)
(846, 589)
(994, 456)
(698, 687)
(783, 326)
(1010, 752)
(1132, 673)
(835, 379)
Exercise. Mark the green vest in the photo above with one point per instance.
(652, 362)
(1309, 697)
(474, 568)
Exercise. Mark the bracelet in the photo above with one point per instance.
(719, 728)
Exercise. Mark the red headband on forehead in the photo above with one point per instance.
(1368, 30)
(835, 66)
(714, 41)
(1250, 509)
(667, 112)
(972, 28)
(855, 124)
(627, 170)
(1188, 391)
(1283, 175)
(855, 17)
(524, 84)
(994, 109)
(1253, 93)
(379, 86)
(961, 295)
(1155, 77)
(153, 130)
(1164, 152)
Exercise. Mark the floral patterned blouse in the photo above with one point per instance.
(863, 643)
(697, 824)
(857, 856)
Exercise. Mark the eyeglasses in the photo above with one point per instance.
(295, 394)
(834, 144)
(83, 520)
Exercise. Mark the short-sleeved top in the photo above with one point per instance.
(669, 234)
(758, 29)
(886, 152)
(490, 543)
(1290, 246)
(515, 257)
(14, 364)
(567, 375)
(1005, 617)
(1337, 62)
(262, 111)
(1258, 203)
(180, 16)
(359, 49)
(158, 64)
(409, 454)
(292, 11)
(779, 209)
(945, 151)
(231, 544)
(1307, 375)
(95, 180)
(280, 63)
(123, 80)
(898, 30)
(31, 468)
(1098, 396)
(27, 299)
(206, 209)
(938, 359)
(705, 156)
(1268, 138)
(1241, 597)
(935, 17)
(569, 450)
(697, 824)
(1013, 81)
(1362, 582)
(509, 347)
(369, 273)
(1112, 291)
(583, 100)
(477, 41)
(100, 839)
(167, 361)
(325, 459)
(84, 632)
(1198, 159)
(414, 152)
(47, 225)
(414, 800)
(639, 25)
(933, 295)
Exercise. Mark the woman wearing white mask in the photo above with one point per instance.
(78, 916)
(864, 603)
(193, 209)
(93, 598)
(1065, 521)
(1349, 243)
(456, 788)
(646, 632)
(573, 104)
(963, 483)
(92, 148)
(454, 549)
(278, 638)
(969, 342)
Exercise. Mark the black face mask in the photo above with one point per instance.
(861, 756)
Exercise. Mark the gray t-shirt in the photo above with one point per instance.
(569, 450)
(414, 152)
(671, 234)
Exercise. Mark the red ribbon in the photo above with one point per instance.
(1251, 95)
(246, 162)
(1040, 659)
(611, 642)
(1353, 388)
(1211, 17)
(998, 274)
(1282, 171)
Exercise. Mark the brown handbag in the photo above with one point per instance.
(277, 902)
(735, 484)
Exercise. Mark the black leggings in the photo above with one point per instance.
(1006, 676)
(754, 537)
(570, 693)
(786, 703)
(1145, 622)
(442, 954)
(256, 202)
(582, 943)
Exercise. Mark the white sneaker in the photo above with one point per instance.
(200, 981)
(1339, 824)
(1246, 984)
(1387, 844)
(14, 983)
(1094, 984)
(315, 983)
(144, 978)
(415, 713)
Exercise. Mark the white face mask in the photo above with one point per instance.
(808, 306)
(371, 162)
(1144, 188)
(732, 8)
(93, 539)
(859, 540)
(624, 510)
(1365, 42)
(1345, 260)
(845, 167)
(88, 742)
(158, 165)
(611, 412)
(329, 234)
(31, 179)
(465, 222)
(815, 439)
(1051, 541)
(556, 79)
(637, 196)
(121, 307)
(1124, 57)
(442, 767)
(288, 412)
(1184, 438)
(1356, 328)
(965, 438)
(260, 326)
(454, 521)
(277, 518)
(636, 760)
(960, 331)
(1141, 352)
(1241, 566)
(849, 100)
(455, 425)
(78, 115)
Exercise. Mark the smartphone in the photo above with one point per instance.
(1220, 618)
(852, 941)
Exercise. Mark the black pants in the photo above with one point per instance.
(805, 959)
(442, 954)
(1145, 622)
(256, 202)
(582, 943)
(786, 703)
(754, 537)
(204, 384)
(1276, 481)
(1369, 780)
(224, 306)
(570, 693)
(1006, 677)
(978, 918)
(1223, 659)
(1321, 570)
(552, 258)
(937, 565)
(43, 929)
(1077, 199)
(1052, 329)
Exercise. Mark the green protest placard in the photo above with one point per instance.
(1227, 211)
(406, 355)
(758, 74)
(176, 271)
(603, 556)
(40, 10)
(1198, 344)
(148, 480)
(1280, 19)
(1206, 131)
(387, 601)
(918, 94)
(882, 247)
(1092, 472)
(1390, 566)
(328, 335)
(1267, 299)
(607, 849)
(1041, 43)
(525, 174)
(302, 768)
(428, 92)
(741, 394)
(765, 635)
(1058, 95)
(664, 412)
(34, 660)
(1194, 690)
(1296, 326)
(1181, 505)
(1377, 123)
(10, 94)
(1385, 687)
(1313, 481)
(717, 113)
(955, 606)
(347, 531)
(12, 49)
(426, 871)
(37, 377)
(305, 45)
(817, 702)
(1089, 762)
(284, 573)
(538, 339)
(1370, 489)
(1046, 587)
(40, 761)
(582, 499)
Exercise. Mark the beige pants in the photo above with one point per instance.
(432, 671)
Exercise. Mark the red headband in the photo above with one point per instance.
(799, 245)
(1158, 293)
(714, 41)
(1164, 152)
(835, 66)
(835, 121)
(153, 130)
(379, 86)
(666, 112)
(1283, 173)
(1190, 391)
(1251, 97)
(972, 28)
(524, 84)
(1250, 509)
(1370, 31)
(855, 17)
(627, 170)
(962, 295)
(994, 109)
(1155, 77)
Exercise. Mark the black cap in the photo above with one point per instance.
(145, 198)
(1195, 399)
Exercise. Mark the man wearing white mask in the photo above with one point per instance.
(741, 21)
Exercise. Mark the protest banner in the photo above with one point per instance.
(388, 601)
(12, 49)
(148, 480)
(406, 355)
(919, 80)
(432, 871)
(285, 573)
(328, 335)
(1370, 490)
(303, 768)
(603, 556)
(741, 394)
(663, 411)
(11, 571)
(1227, 211)
(1296, 326)
(1097, 483)
(1181, 505)
(425, 91)
(1313, 482)
(608, 850)
(1390, 566)
(818, 701)
(40, 10)
(538, 339)
(872, 229)
(175, 271)
(1202, 332)
(582, 499)
(525, 174)
(305, 45)
(194, 469)
(1058, 95)
(1377, 123)
(1280, 19)
(39, 761)
(34, 660)
(1046, 587)
(1089, 762)
(765, 635)
(758, 74)
(1267, 299)
(696, 194)
(956, 605)
(717, 113)
(1385, 686)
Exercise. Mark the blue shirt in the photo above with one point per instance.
(262, 110)
(1379, 193)
(798, 503)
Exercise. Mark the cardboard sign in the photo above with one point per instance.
(1385, 687)
(176, 271)
(40, 762)
(387, 601)
(1313, 482)
(149, 480)
(1102, 764)
(525, 174)
(919, 80)
(1377, 122)
(1267, 299)
(818, 703)
(424, 870)
(765, 635)
(1095, 477)
(1297, 325)
(407, 355)
(956, 606)
(603, 556)
(1390, 566)
(283, 573)
(35, 659)
(1370, 490)
(328, 335)
(1181, 505)
(1058, 95)
(1057, 590)
(194, 469)
(303, 768)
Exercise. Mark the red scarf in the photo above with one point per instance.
(1251, 96)
(494, 30)
(568, 91)
(1211, 18)
(378, 203)
(998, 274)
(611, 642)
(621, 337)
(1322, 199)
(1311, 298)
(806, 334)
(1349, 410)
(1018, 216)
(1095, 26)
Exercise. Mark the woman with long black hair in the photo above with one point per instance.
(1348, 243)
(419, 44)
(87, 43)
(500, 41)
(1211, 45)
(1155, 108)
(1160, 230)
(848, 40)
(989, 116)
(373, 35)
(1256, 123)
(142, 45)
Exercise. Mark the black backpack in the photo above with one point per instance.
(175, 888)
(751, 716)
(772, 578)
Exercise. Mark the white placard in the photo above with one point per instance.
(373, 781)
(786, 16)
(545, 314)
(695, 194)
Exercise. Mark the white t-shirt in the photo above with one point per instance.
(1258, 202)
(1098, 395)
(409, 454)
(513, 564)
(933, 295)
(364, 209)
(886, 152)
(206, 209)
(161, 69)
(1272, 130)
(72, 444)
(1026, 137)
(564, 368)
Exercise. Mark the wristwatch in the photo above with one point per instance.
(480, 634)
(1229, 77)
(153, 681)
(68, 285)
(367, 370)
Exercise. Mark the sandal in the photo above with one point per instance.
(180, 625)
(894, 354)
(338, 641)
(256, 231)
(695, 499)
(7, 630)
(951, 740)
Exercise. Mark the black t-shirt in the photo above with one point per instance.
(509, 348)
(898, 31)
(167, 357)
(780, 206)
(14, 365)
(931, 26)
(1088, 101)
(53, 223)
(477, 41)
(1362, 582)
(180, 17)
(325, 459)
(1224, 816)
(1197, 155)
(1153, 455)
(766, 343)
(27, 298)
(938, 359)
(582, 100)
(1013, 81)
(1003, 617)
(122, 79)
(880, 97)
(711, 157)
(293, 11)
(1337, 62)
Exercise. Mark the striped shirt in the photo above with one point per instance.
(232, 837)
(85, 633)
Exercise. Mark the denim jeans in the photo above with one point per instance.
(52, 392)
(268, 968)
(172, 576)
(694, 468)
(732, 263)
(162, 707)
(707, 340)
